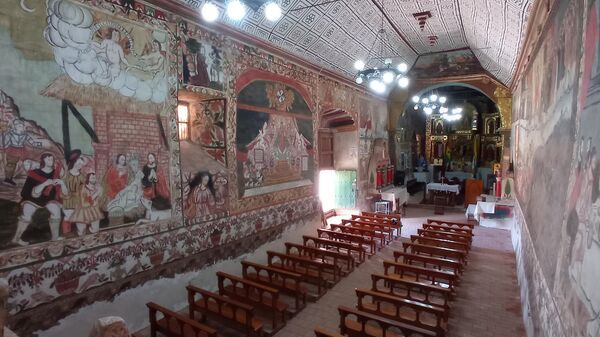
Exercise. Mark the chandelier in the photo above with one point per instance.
(437, 105)
(380, 72)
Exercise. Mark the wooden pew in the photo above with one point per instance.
(383, 216)
(320, 332)
(396, 225)
(452, 223)
(412, 290)
(366, 324)
(351, 249)
(286, 282)
(253, 293)
(364, 232)
(176, 325)
(417, 248)
(426, 240)
(440, 278)
(457, 230)
(312, 272)
(414, 313)
(385, 229)
(351, 238)
(231, 312)
(446, 235)
(345, 262)
(428, 261)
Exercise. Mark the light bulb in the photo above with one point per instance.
(272, 11)
(359, 80)
(359, 65)
(427, 110)
(403, 82)
(402, 67)
(433, 97)
(443, 99)
(377, 86)
(209, 12)
(415, 99)
(388, 77)
(443, 109)
(416, 107)
(425, 100)
(236, 10)
(458, 110)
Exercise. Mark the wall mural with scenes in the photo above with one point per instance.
(556, 148)
(274, 139)
(96, 185)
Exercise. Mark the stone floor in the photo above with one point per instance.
(487, 302)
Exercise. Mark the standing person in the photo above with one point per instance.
(202, 195)
(43, 188)
(88, 212)
(74, 181)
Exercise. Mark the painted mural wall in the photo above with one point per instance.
(556, 120)
(102, 178)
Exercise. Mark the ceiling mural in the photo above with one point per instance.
(334, 34)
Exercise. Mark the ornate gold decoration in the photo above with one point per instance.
(504, 101)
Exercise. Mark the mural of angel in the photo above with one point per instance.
(104, 52)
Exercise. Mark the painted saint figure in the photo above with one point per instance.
(88, 211)
(155, 185)
(202, 195)
(111, 54)
(43, 188)
(116, 177)
(14, 143)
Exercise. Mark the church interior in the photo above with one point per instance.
(295, 168)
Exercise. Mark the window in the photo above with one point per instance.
(183, 119)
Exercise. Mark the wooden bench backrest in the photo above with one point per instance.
(358, 231)
(411, 290)
(317, 253)
(421, 274)
(294, 261)
(332, 244)
(244, 290)
(373, 219)
(177, 325)
(417, 248)
(406, 311)
(241, 311)
(465, 231)
(347, 237)
(430, 232)
(385, 326)
(426, 261)
(274, 275)
(382, 216)
(370, 225)
(452, 223)
(426, 240)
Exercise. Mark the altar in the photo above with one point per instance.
(398, 196)
(492, 213)
(443, 188)
(459, 175)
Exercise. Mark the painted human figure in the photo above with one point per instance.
(130, 196)
(88, 214)
(74, 181)
(202, 195)
(116, 177)
(43, 188)
(215, 67)
(111, 54)
(14, 144)
(155, 185)
(154, 61)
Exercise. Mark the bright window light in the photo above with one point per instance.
(327, 180)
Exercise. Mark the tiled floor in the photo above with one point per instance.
(487, 302)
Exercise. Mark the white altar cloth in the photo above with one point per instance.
(443, 187)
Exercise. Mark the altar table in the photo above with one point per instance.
(397, 195)
(443, 188)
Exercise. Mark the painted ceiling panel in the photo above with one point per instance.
(333, 34)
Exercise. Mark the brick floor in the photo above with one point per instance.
(487, 302)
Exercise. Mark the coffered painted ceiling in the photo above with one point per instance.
(333, 34)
